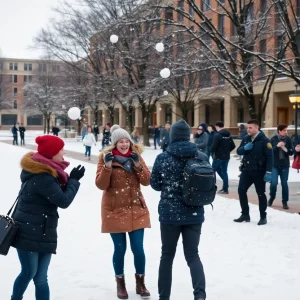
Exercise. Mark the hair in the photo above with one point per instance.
(280, 127)
(212, 126)
(242, 126)
(253, 121)
(220, 124)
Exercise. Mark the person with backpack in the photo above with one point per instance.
(14, 131)
(222, 145)
(177, 217)
(256, 169)
(282, 149)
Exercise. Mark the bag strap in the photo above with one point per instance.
(24, 184)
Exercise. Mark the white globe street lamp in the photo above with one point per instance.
(159, 47)
(165, 73)
(114, 38)
(74, 113)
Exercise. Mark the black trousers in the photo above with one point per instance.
(15, 139)
(22, 139)
(248, 178)
(190, 238)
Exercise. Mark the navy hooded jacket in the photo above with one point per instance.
(167, 177)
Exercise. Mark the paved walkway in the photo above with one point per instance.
(294, 187)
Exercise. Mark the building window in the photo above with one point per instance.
(15, 66)
(11, 66)
(42, 68)
(10, 78)
(36, 120)
(191, 10)
(205, 5)
(298, 8)
(181, 7)
(15, 106)
(8, 119)
(27, 78)
(220, 79)
(263, 6)
(27, 67)
(221, 24)
(240, 115)
(15, 92)
(1, 65)
(169, 15)
(15, 78)
(55, 68)
(207, 114)
(262, 49)
(280, 45)
(233, 29)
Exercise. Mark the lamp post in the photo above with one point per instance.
(295, 99)
(65, 111)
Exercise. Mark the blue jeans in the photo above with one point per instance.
(284, 176)
(156, 142)
(137, 247)
(34, 266)
(88, 151)
(170, 234)
(220, 166)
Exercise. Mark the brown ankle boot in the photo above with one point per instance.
(140, 286)
(121, 288)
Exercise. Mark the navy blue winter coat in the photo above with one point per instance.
(36, 213)
(167, 177)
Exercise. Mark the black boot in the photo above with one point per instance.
(242, 218)
(270, 201)
(285, 205)
(262, 221)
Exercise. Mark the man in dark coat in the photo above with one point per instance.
(14, 131)
(106, 136)
(96, 132)
(256, 168)
(282, 149)
(165, 137)
(222, 146)
(22, 134)
(174, 215)
(156, 136)
(55, 130)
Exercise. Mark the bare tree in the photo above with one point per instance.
(5, 87)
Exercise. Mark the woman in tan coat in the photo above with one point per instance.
(121, 170)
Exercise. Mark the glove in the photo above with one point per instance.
(108, 157)
(135, 157)
(248, 146)
(267, 177)
(77, 173)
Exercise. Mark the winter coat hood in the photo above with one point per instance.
(224, 132)
(30, 168)
(183, 149)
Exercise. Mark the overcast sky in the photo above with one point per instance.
(20, 21)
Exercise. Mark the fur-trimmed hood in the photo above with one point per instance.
(31, 167)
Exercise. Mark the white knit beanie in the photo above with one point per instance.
(118, 133)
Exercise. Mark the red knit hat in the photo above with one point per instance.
(49, 145)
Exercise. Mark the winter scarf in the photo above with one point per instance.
(58, 166)
(123, 159)
(281, 151)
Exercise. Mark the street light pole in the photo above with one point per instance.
(65, 111)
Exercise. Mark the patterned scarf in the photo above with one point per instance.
(123, 159)
(58, 166)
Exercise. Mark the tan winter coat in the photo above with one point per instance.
(123, 206)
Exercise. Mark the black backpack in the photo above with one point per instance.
(199, 184)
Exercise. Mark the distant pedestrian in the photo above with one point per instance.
(201, 138)
(22, 134)
(14, 131)
(106, 136)
(282, 149)
(55, 130)
(165, 137)
(135, 135)
(83, 131)
(96, 131)
(211, 134)
(89, 141)
(156, 136)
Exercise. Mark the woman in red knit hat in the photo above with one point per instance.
(46, 187)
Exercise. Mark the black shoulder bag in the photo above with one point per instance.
(8, 228)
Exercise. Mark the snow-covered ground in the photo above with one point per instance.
(241, 261)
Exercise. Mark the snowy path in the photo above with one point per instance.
(242, 261)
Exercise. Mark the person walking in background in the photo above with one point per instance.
(242, 131)
(55, 130)
(22, 130)
(14, 131)
(106, 136)
(256, 169)
(175, 217)
(96, 131)
(89, 141)
(83, 131)
(221, 148)
(156, 136)
(48, 187)
(282, 149)
(201, 138)
(135, 135)
(211, 134)
(165, 137)
(120, 173)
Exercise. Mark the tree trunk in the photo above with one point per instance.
(96, 116)
(45, 123)
(48, 124)
(145, 118)
(79, 127)
(111, 111)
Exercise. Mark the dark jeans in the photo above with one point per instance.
(220, 166)
(137, 247)
(248, 178)
(88, 151)
(22, 140)
(34, 266)
(190, 238)
(15, 140)
(156, 142)
(284, 176)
